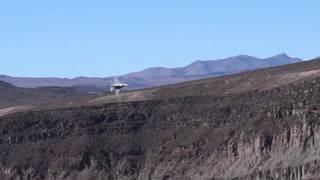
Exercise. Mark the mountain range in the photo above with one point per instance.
(261, 125)
(158, 76)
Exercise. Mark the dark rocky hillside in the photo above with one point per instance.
(14, 96)
(258, 125)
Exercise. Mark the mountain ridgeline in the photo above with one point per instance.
(161, 76)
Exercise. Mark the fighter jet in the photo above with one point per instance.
(117, 85)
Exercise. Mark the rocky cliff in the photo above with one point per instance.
(266, 133)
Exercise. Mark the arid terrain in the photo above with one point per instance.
(262, 124)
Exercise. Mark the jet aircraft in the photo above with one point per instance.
(117, 85)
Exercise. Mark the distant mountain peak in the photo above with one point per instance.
(243, 56)
(282, 55)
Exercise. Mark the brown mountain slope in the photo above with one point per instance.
(14, 96)
(266, 129)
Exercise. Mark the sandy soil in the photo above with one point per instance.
(14, 109)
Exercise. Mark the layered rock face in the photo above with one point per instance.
(261, 134)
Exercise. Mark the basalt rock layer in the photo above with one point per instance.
(271, 133)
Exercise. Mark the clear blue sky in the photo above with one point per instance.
(68, 38)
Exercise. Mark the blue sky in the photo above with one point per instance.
(68, 38)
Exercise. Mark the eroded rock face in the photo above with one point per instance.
(270, 134)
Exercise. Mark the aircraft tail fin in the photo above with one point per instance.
(116, 80)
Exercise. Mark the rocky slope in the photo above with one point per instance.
(268, 128)
(13, 96)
